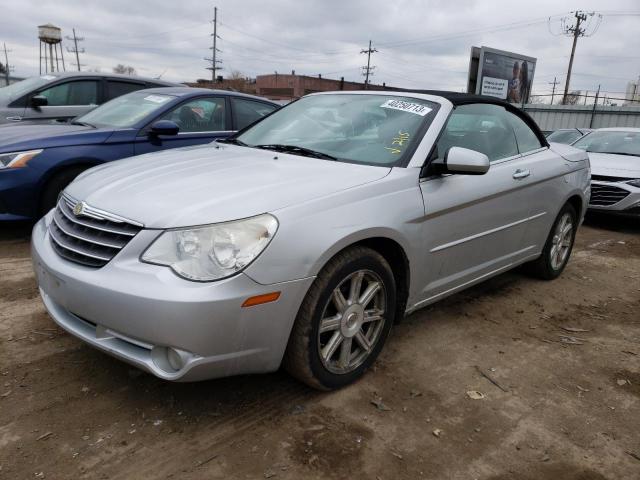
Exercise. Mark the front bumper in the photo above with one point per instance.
(134, 311)
(628, 205)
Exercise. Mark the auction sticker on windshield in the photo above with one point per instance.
(410, 107)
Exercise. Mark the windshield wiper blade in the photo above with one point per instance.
(296, 150)
(233, 141)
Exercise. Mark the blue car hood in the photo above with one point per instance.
(15, 138)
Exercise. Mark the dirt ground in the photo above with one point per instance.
(557, 364)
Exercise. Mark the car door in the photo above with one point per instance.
(474, 224)
(66, 100)
(200, 120)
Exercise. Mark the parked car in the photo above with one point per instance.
(302, 239)
(38, 161)
(615, 169)
(567, 135)
(63, 96)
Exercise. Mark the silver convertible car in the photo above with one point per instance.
(303, 238)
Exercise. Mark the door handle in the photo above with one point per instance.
(14, 119)
(520, 174)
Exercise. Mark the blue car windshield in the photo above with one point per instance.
(125, 111)
(372, 129)
(18, 89)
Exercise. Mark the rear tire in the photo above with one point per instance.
(558, 247)
(56, 184)
(344, 320)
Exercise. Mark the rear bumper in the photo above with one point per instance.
(136, 311)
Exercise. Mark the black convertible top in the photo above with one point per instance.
(458, 98)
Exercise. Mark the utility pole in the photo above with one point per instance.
(214, 49)
(6, 63)
(75, 49)
(595, 104)
(579, 29)
(368, 70)
(553, 92)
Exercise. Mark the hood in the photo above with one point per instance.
(612, 165)
(44, 135)
(212, 183)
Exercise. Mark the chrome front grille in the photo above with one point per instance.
(91, 238)
(605, 195)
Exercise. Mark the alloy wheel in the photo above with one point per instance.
(352, 322)
(561, 242)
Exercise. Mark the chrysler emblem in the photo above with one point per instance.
(79, 208)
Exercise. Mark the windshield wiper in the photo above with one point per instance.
(296, 150)
(233, 141)
(620, 153)
(83, 124)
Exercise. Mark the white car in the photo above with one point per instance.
(615, 169)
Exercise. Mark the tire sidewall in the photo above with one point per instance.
(366, 262)
(554, 273)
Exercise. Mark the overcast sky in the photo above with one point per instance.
(421, 44)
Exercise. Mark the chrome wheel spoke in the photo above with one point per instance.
(363, 341)
(355, 287)
(369, 293)
(345, 353)
(331, 346)
(330, 323)
(338, 300)
(372, 315)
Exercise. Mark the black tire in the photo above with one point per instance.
(56, 184)
(543, 267)
(302, 358)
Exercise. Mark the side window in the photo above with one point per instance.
(481, 127)
(525, 137)
(82, 92)
(116, 88)
(245, 112)
(200, 115)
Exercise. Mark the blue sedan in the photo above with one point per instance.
(38, 161)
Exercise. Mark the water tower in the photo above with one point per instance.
(50, 39)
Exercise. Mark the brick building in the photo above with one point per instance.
(277, 86)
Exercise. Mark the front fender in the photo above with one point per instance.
(312, 233)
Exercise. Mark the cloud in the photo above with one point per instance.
(421, 44)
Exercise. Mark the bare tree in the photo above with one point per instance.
(573, 97)
(3, 69)
(124, 69)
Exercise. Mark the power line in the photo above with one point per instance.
(368, 70)
(584, 27)
(75, 49)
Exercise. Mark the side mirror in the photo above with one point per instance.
(164, 127)
(462, 161)
(39, 101)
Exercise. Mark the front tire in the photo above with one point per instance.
(558, 247)
(55, 185)
(343, 321)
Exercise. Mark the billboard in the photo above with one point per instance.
(501, 74)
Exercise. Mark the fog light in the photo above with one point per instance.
(175, 360)
(169, 359)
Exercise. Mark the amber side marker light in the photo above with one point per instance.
(260, 299)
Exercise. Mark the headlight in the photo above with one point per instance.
(212, 252)
(17, 159)
(634, 183)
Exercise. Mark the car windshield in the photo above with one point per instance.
(125, 111)
(370, 129)
(612, 141)
(564, 136)
(18, 89)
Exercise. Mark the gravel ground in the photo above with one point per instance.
(556, 364)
